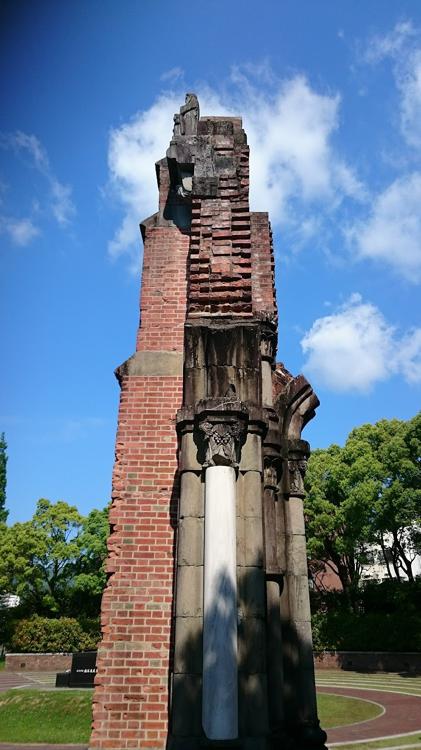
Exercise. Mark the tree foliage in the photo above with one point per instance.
(368, 492)
(54, 562)
(3, 479)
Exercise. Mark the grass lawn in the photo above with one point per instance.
(45, 716)
(337, 710)
(65, 715)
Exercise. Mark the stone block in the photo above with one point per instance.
(189, 598)
(249, 487)
(182, 743)
(294, 516)
(298, 598)
(296, 554)
(188, 454)
(251, 645)
(192, 495)
(195, 381)
(186, 705)
(253, 718)
(254, 743)
(249, 542)
(267, 393)
(190, 541)
(251, 454)
(251, 592)
(188, 653)
(153, 364)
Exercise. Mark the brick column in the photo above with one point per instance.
(131, 695)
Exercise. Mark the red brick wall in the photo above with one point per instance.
(163, 295)
(38, 662)
(263, 264)
(370, 661)
(131, 697)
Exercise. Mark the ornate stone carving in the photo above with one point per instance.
(188, 117)
(177, 125)
(272, 472)
(223, 442)
(297, 469)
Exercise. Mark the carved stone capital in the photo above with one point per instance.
(296, 470)
(272, 472)
(223, 443)
(222, 424)
(295, 453)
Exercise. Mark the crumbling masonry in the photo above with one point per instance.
(206, 635)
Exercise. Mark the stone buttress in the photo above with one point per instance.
(205, 619)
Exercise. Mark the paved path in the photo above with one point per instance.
(402, 715)
(37, 680)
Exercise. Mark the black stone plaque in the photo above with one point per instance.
(82, 672)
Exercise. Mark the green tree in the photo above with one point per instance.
(337, 516)
(396, 522)
(89, 579)
(55, 561)
(368, 492)
(3, 479)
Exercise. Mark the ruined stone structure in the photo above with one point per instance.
(205, 618)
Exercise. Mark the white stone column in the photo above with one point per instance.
(220, 679)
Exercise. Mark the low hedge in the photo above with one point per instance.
(348, 631)
(44, 634)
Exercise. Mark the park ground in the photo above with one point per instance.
(360, 711)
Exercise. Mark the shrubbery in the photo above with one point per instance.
(43, 634)
(384, 617)
(347, 631)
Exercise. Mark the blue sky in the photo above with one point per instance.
(330, 95)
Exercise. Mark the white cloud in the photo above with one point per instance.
(174, 74)
(133, 150)
(409, 356)
(60, 202)
(289, 127)
(392, 233)
(403, 46)
(389, 45)
(409, 84)
(20, 231)
(62, 205)
(354, 348)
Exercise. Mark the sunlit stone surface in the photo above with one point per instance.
(220, 692)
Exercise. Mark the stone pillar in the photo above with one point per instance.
(252, 661)
(299, 685)
(274, 566)
(267, 350)
(223, 425)
(186, 692)
(220, 674)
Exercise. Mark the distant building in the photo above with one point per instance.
(379, 566)
(8, 601)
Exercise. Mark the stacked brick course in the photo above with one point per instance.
(131, 697)
(220, 248)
